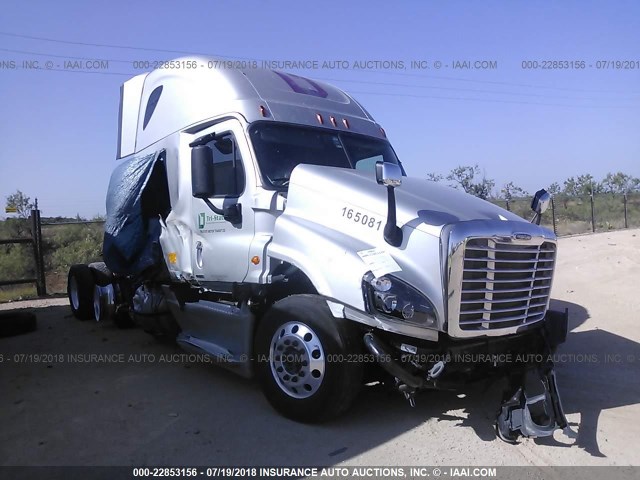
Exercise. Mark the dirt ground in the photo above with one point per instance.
(141, 403)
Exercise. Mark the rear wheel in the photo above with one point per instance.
(80, 291)
(99, 308)
(307, 360)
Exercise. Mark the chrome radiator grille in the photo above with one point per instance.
(504, 284)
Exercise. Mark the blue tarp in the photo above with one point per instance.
(131, 241)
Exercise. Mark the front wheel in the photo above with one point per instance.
(307, 360)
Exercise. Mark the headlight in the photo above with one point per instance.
(394, 298)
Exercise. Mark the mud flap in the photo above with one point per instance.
(527, 414)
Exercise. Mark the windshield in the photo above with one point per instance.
(281, 147)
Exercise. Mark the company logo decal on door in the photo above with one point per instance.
(207, 222)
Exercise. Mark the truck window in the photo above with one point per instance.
(281, 147)
(364, 153)
(151, 105)
(227, 166)
(369, 163)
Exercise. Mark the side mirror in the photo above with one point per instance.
(202, 185)
(540, 204)
(388, 174)
(541, 201)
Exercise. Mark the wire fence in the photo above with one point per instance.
(572, 215)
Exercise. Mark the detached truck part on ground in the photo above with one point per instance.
(263, 219)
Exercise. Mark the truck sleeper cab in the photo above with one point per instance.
(263, 219)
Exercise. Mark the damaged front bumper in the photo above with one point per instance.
(531, 416)
(531, 405)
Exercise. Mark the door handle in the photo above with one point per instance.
(199, 254)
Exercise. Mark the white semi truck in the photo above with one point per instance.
(263, 219)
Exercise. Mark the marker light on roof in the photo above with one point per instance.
(333, 121)
(319, 117)
(263, 111)
(345, 122)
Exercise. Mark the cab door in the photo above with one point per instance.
(220, 250)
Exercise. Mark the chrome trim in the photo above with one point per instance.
(465, 245)
(391, 326)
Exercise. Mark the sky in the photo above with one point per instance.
(532, 126)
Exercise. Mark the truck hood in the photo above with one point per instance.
(421, 204)
(332, 230)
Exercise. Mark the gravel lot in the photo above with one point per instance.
(142, 410)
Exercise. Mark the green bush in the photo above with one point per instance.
(66, 245)
(63, 246)
(16, 262)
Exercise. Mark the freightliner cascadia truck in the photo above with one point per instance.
(263, 219)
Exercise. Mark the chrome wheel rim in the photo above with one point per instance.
(97, 305)
(73, 293)
(297, 360)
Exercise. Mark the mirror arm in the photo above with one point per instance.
(392, 233)
(214, 209)
(232, 213)
(536, 218)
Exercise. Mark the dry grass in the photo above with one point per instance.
(20, 292)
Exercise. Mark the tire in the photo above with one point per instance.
(101, 274)
(317, 381)
(16, 323)
(80, 286)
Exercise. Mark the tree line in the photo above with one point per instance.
(474, 181)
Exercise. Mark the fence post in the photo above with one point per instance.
(36, 232)
(593, 216)
(553, 216)
(626, 224)
(508, 208)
